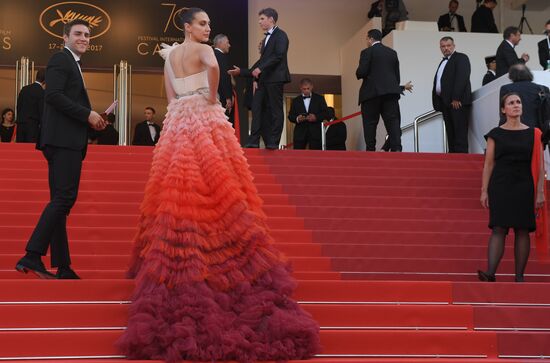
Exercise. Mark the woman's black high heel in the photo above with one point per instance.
(486, 277)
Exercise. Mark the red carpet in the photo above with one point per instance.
(385, 248)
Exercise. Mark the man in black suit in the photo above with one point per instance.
(522, 83)
(452, 94)
(491, 74)
(308, 111)
(63, 140)
(147, 133)
(30, 104)
(225, 88)
(506, 55)
(379, 93)
(483, 20)
(451, 22)
(544, 48)
(272, 73)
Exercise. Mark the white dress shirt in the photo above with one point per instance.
(440, 73)
(270, 31)
(152, 130)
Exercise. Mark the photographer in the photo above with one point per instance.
(451, 21)
(393, 12)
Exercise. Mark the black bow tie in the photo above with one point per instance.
(79, 62)
(267, 33)
(306, 97)
(445, 58)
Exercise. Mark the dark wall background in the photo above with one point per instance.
(121, 29)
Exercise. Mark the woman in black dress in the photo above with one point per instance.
(8, 125)
(508, 188)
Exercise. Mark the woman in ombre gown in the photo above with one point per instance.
(210, 285)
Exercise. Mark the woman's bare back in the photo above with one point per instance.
(185, 59)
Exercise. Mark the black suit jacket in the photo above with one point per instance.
(273, 59)
(30, 104)
(529, 94)
(66, 105)
(483, 21)
(445, 22)
(225, 90)
(317, 106)
(488, 78)
(142, 135)
(379, 70)
(544, 53)
(506, 57)
(455, 83)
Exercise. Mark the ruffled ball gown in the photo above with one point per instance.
(210, 286)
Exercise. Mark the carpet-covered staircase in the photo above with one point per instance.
(385, 248)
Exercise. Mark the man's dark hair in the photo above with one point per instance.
(446, 39)
(454, 1)
(306, 81)
(41, 75)
(375, 34)
(520, 72)
(151, 108)
(547, 23)
(508, 32)
(490, 1)
(270, 13)
(67, 27)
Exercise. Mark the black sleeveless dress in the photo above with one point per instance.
(511, 189)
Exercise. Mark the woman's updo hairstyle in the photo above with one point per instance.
(187, 15)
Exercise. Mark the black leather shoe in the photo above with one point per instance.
(66, 273)
(520, 278)
(486, 277)
(252, 146)
(26, 265)
(272, 147)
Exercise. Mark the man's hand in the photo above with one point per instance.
(525, 57)
(256, 72)
(408, 86)
(228, 104)
(96, 121)
(311, 117)
(456, 104)
(234, 72)
(300, 118)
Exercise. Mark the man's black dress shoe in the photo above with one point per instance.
(26, 265)
(520, 278)
(252, 146)
(272, 147)
(66, 273)
(486, 277)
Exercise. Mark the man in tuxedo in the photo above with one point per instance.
(544, 48)
(30, 105)
(483, 20)
(308, 111)
(225, 88)
(379, 93)
(63, 140)
(506, 55)
(451, 22)
(147, 133)
(271, 71)
(522, 84)
(491, 74)
(452, 94)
